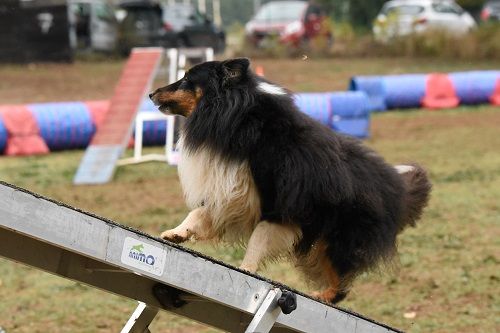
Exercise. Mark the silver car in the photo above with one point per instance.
(404, 17)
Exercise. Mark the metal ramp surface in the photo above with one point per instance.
(162, 276)
(112, 136)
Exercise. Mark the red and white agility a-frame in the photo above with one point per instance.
(113, 135)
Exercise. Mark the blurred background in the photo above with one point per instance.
(63, 30)
(417, 80)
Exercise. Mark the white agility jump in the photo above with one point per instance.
(160, 275)
(177, 62)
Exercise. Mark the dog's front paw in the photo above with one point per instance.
(174, 236)
(252, 268)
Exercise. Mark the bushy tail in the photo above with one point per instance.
(418, 189)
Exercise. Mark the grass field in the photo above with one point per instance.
(448, 278)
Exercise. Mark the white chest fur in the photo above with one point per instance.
(225, 189)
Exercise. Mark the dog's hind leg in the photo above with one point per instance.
(337, 289)
(197, 225)
(269, 240)
(317, 266)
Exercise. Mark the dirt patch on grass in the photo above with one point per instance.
(80, 81)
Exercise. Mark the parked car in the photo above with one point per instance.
(404, 17)
(152, 23)
(491, 11)
(292, 22)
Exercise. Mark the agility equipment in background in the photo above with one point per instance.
(475, 87)
(404, 91)
(495, 98)
(316, 106)
(98, 111)
(71, 125)
(178, 59)
(154, 132)
(150, 116)
(3, 136)
(112, 136)
(373, 86)
(149, 119)
(439, 92)
(428, 90)
(60, 129)
(23, 132)
(160, 275)
(64, 125)
(345, 112)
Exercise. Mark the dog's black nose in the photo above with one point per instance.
(151, 95)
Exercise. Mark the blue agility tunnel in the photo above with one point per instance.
(316, 106)
(350, 104)
(351, 113)
(408, 90)
(404, 91)
(64, 125)
(345, 112)
(474, 87)
(391, 91)
(3, 136)
(154, 132)
(373, 86)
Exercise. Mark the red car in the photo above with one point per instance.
(293, 22)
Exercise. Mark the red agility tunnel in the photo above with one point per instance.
(97, 110)
(61, 126)
(495, 97)
(23, 133)
(439, 92)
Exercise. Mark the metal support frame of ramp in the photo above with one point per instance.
(162, 276)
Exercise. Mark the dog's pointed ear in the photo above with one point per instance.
(234, 69)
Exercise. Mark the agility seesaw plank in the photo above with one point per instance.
(112, 136)
(163, 276)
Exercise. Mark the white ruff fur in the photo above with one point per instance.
(404, 168)
(271, 89)
(225, 189)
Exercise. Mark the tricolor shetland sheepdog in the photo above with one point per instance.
(255, 169)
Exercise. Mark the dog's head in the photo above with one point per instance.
(183, 96)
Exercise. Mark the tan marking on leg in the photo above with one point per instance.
(196, 225)
(269, 240)
(328, 294)
(318, 268)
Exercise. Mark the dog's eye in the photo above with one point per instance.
(184, 83)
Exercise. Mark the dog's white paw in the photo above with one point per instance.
(249, 267)
(174, 236)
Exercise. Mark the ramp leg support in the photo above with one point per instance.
(266, 315)
(141, 319)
